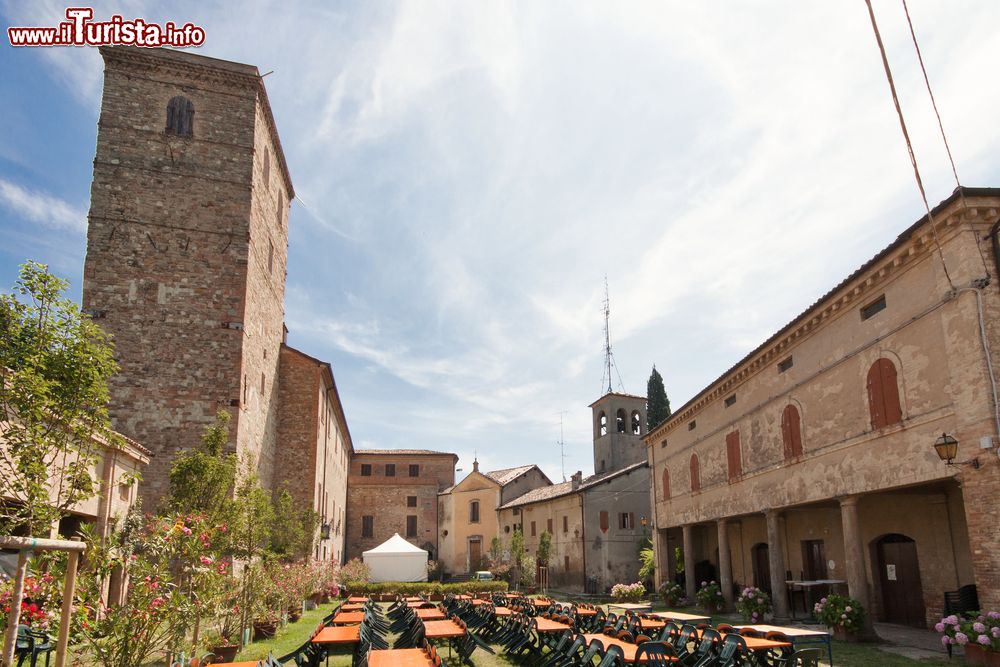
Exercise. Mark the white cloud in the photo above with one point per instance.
(41, 208)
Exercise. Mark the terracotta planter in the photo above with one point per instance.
(225, 653)
(840, 633)
(294, 614)
(977, 655)
(264, 629)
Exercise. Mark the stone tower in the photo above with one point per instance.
(186, 249)
(619, 424)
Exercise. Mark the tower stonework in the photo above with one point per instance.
(186, 250)
(619, 424)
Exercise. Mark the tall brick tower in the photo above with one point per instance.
(186, 250)
(619, 424)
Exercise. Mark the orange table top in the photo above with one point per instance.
(443, 629)
(251, 663)
(651, 623)
(541, 602)
(430, 614)
(353, 606)
(586, 612)
(476, 603)
(413, 598)
(463, 596)
(502, 611)
(338, 634)
(627, 648)
(788, 632)
(681, 616)
(348, 617)
(399, 657)
(755, 644)
(357, 599)
(548, 625)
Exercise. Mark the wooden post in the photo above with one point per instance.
(15, 609)
(69, 588)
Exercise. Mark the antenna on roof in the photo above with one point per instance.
(562, 445)
(609, 357)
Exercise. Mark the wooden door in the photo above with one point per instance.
(475, 554)
(899, 577)
(762, 567)
(813, 560)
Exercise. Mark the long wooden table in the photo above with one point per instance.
(502, 611)
(338, 634)
(399, 657)
(448, 629)
(548, 625)
(433, 614)
(693, 619)
(348, 618)
(798, 636)
(606, 641)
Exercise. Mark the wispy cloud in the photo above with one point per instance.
(41, 208)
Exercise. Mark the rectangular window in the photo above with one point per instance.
(262, 385)
(785, 364)
(474, 511)
(566, 563)
(517, 511)
(692, 424)
(270, 256)
(733, 456)
(876, 306)
(414, 470)
(366, 469)
(565, 524)
(626, 521)
(604, 521)
(663, 444)
(390, 469)
(411, 501)
(548, 526)
(730, 400)
(533, 533)
(411, 526)
(367, 526)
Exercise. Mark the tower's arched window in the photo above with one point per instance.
(791, 432)
(636, 423)
(180, 116)
(666, 484)
(695, 474)
(620, 420)
(474, 511)
(883, 394)
(602, 424)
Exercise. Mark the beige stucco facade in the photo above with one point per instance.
(797, 463)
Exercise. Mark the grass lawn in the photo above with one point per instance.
(294, 634)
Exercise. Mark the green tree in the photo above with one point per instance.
(293, 531)
(647, 562)
(517, 552)
(202, 480)
(496, 551)
(657, 403)
(544, 548)
(54, 369)
(250, 536)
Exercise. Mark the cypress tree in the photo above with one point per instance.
(657, 403)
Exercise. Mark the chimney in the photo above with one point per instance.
(577, 479)
(475, 465)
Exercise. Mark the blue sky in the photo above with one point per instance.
(469, 172)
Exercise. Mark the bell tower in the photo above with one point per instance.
(619, 424)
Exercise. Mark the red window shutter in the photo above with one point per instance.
(733, 456)
(791, 432)
(666, 484)
(875, 400)
(890, 393)
(604, 522)
(695, 474)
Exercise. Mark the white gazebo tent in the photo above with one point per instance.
(396, 560)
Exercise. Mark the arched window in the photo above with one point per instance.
(666, 484)
(281, 207)
(883, 394)
(474, 511)
(620, 419)
(791, 432)
(695, 474)
(636, 423)
(180, 116)
(602, 424)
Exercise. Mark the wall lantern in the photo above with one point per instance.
(324, 531)
(947, 449)
(642, 521)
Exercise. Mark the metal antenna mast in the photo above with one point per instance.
(609, 357)
(562, 445)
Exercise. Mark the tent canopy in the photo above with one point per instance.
(396, 560)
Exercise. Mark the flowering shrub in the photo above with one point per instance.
(672, 594)
(840, 610)
(40, 604)
(354, 572)
(983, 630)
(628, 592)
(752, 604)
(710, 596)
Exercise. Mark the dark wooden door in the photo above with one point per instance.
(899, 576)
(813, 560)
(475, 554)
(761, 567)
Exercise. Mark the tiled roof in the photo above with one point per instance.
(507, 475)
(566, 488)
(404, 452)
(616, 393)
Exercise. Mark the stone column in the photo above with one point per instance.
(776, 560)
(725, 563)
(854, 558)
(690, 585)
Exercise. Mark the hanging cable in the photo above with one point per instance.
(909, 144)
